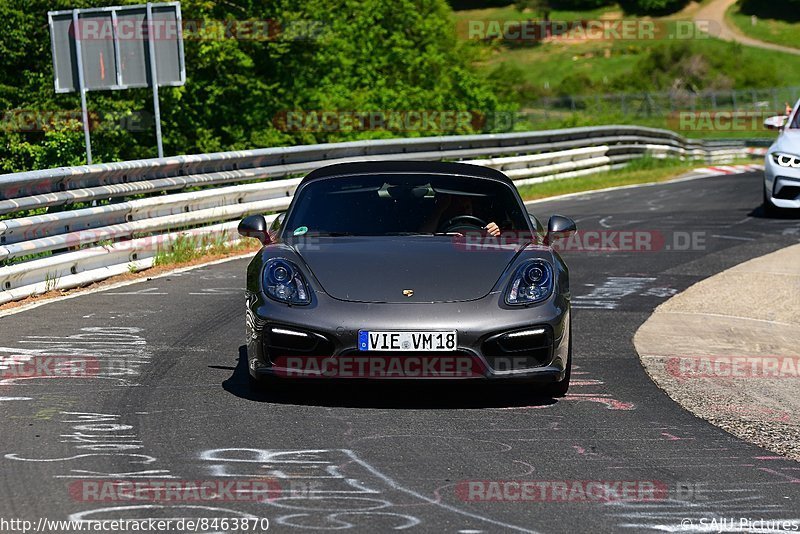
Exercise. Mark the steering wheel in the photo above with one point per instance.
(463, 221)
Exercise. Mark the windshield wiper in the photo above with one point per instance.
(407, 233)
(385, 234)
(333, 234)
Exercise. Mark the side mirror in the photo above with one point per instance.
(255, 226)
(776, 122)
(560, 227)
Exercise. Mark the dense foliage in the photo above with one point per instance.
(787, 10)
(346, 55)
(633, 7)
(663, 67)
(652, 7)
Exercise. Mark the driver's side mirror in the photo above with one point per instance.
(776, 122)
(560, 227)
(255, 226)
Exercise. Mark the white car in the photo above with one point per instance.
(782, 165)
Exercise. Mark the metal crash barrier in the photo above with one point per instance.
(73, 226)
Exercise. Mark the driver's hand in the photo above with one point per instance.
(492, 229)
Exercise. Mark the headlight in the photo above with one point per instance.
(786, 160)
(284, 282)
(532, 282)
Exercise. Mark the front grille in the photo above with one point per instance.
(520, 349)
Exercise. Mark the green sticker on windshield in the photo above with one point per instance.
(301, 230)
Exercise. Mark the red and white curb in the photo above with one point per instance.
(729, 169)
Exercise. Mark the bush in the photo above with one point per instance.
(786, 10)
(579, 5)
(575, 84)
(652, 7)
(680, 67)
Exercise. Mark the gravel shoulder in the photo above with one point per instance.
(728, 350)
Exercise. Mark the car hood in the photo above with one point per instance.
(788, 141)
(380, 269)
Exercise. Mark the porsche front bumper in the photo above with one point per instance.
(321, 340)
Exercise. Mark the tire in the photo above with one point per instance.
(560, 388)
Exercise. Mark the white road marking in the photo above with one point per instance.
(394, 485)
(146, 292)
(737, 238)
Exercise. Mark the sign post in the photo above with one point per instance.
(113, 48)
(154, 76)
(82, 89)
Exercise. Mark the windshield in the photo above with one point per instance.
(404, 204)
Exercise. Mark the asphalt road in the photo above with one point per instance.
(169, 400)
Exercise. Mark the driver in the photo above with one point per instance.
(449, 206)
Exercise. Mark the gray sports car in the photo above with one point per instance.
(389, 270)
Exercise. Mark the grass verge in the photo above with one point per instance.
(186, 249)
(641, 171)
(766, 28)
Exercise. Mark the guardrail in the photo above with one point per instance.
(91, 228)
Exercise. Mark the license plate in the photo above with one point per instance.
(446, 340)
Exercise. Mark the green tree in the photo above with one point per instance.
(350, 55)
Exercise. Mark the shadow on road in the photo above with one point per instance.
(781, 214)
(399, 394)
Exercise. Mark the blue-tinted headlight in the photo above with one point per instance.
(532, 282)
(284, 282)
